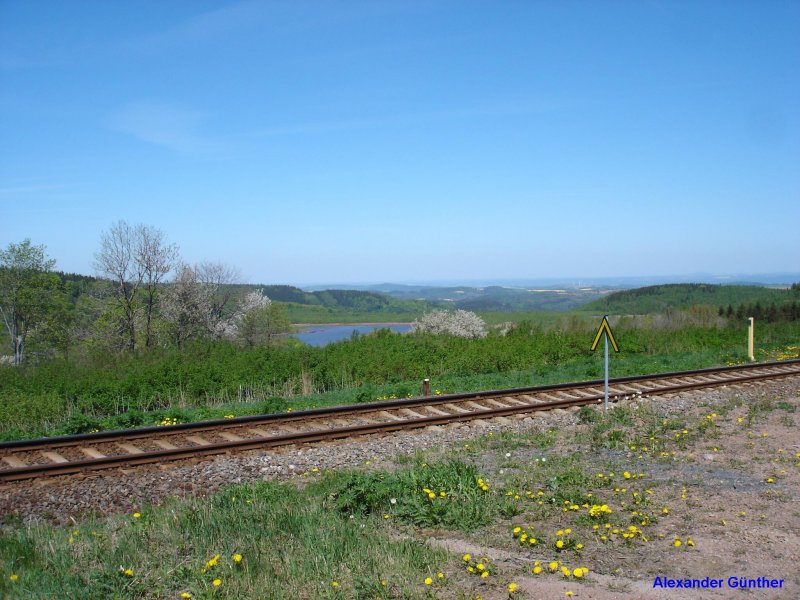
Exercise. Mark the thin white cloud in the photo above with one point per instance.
(177, 129)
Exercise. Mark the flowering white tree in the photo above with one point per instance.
(461, 323)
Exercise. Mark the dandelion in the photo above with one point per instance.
(128, 572)
(14, 577)
(568, 593)
(237, 558)
(186, 595)
(136, 515)
(466, 557)
(334, 584)
(512, 587)
(677, 543)
(216, 582)
(485, 574)
(480, 567)
(440, 575)
(553, 566)
(428, 581)
(537, 570)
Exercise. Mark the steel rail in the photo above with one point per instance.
(115, 461)
(346, 410)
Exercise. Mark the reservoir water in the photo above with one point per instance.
(322, 335)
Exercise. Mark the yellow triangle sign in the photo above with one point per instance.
(605, 328)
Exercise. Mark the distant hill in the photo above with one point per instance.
(496, 298)
(351, 300)
(658, 298)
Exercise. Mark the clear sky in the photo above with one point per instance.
(408, 141)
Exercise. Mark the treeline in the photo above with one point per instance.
(661, 298)
(146, 297)
(773, 313)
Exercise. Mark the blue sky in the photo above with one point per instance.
(312, 142)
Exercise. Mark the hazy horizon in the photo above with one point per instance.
(414, 141)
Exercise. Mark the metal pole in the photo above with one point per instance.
(605, 336)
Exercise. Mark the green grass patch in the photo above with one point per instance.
(292, 544)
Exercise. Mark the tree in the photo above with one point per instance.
(461, 323)
(116, 259)
(27, 289)
(217, 277)
(156, 258)
(133, 256)
(186, 305)
(263, 326)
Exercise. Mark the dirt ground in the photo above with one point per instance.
(727, 479)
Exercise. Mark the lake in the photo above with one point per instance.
(322, 335)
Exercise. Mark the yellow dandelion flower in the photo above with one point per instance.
(216, 582)
(334, 584)
(128, 572)
(428, 581)
(466, 557)
(565, 572)
(568, 531)
(512, 587)
(553, 566)
(485, 574)
(440, 575)
(136, 515)
(14, 577)
(560, 544)
(480, 566)
(186, 595)
(578, 573)
(537, 570)
(677, 543)
(237, 558)
(568, 593)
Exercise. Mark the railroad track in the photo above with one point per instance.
(27, 459)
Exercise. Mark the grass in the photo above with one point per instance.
(292, 544)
